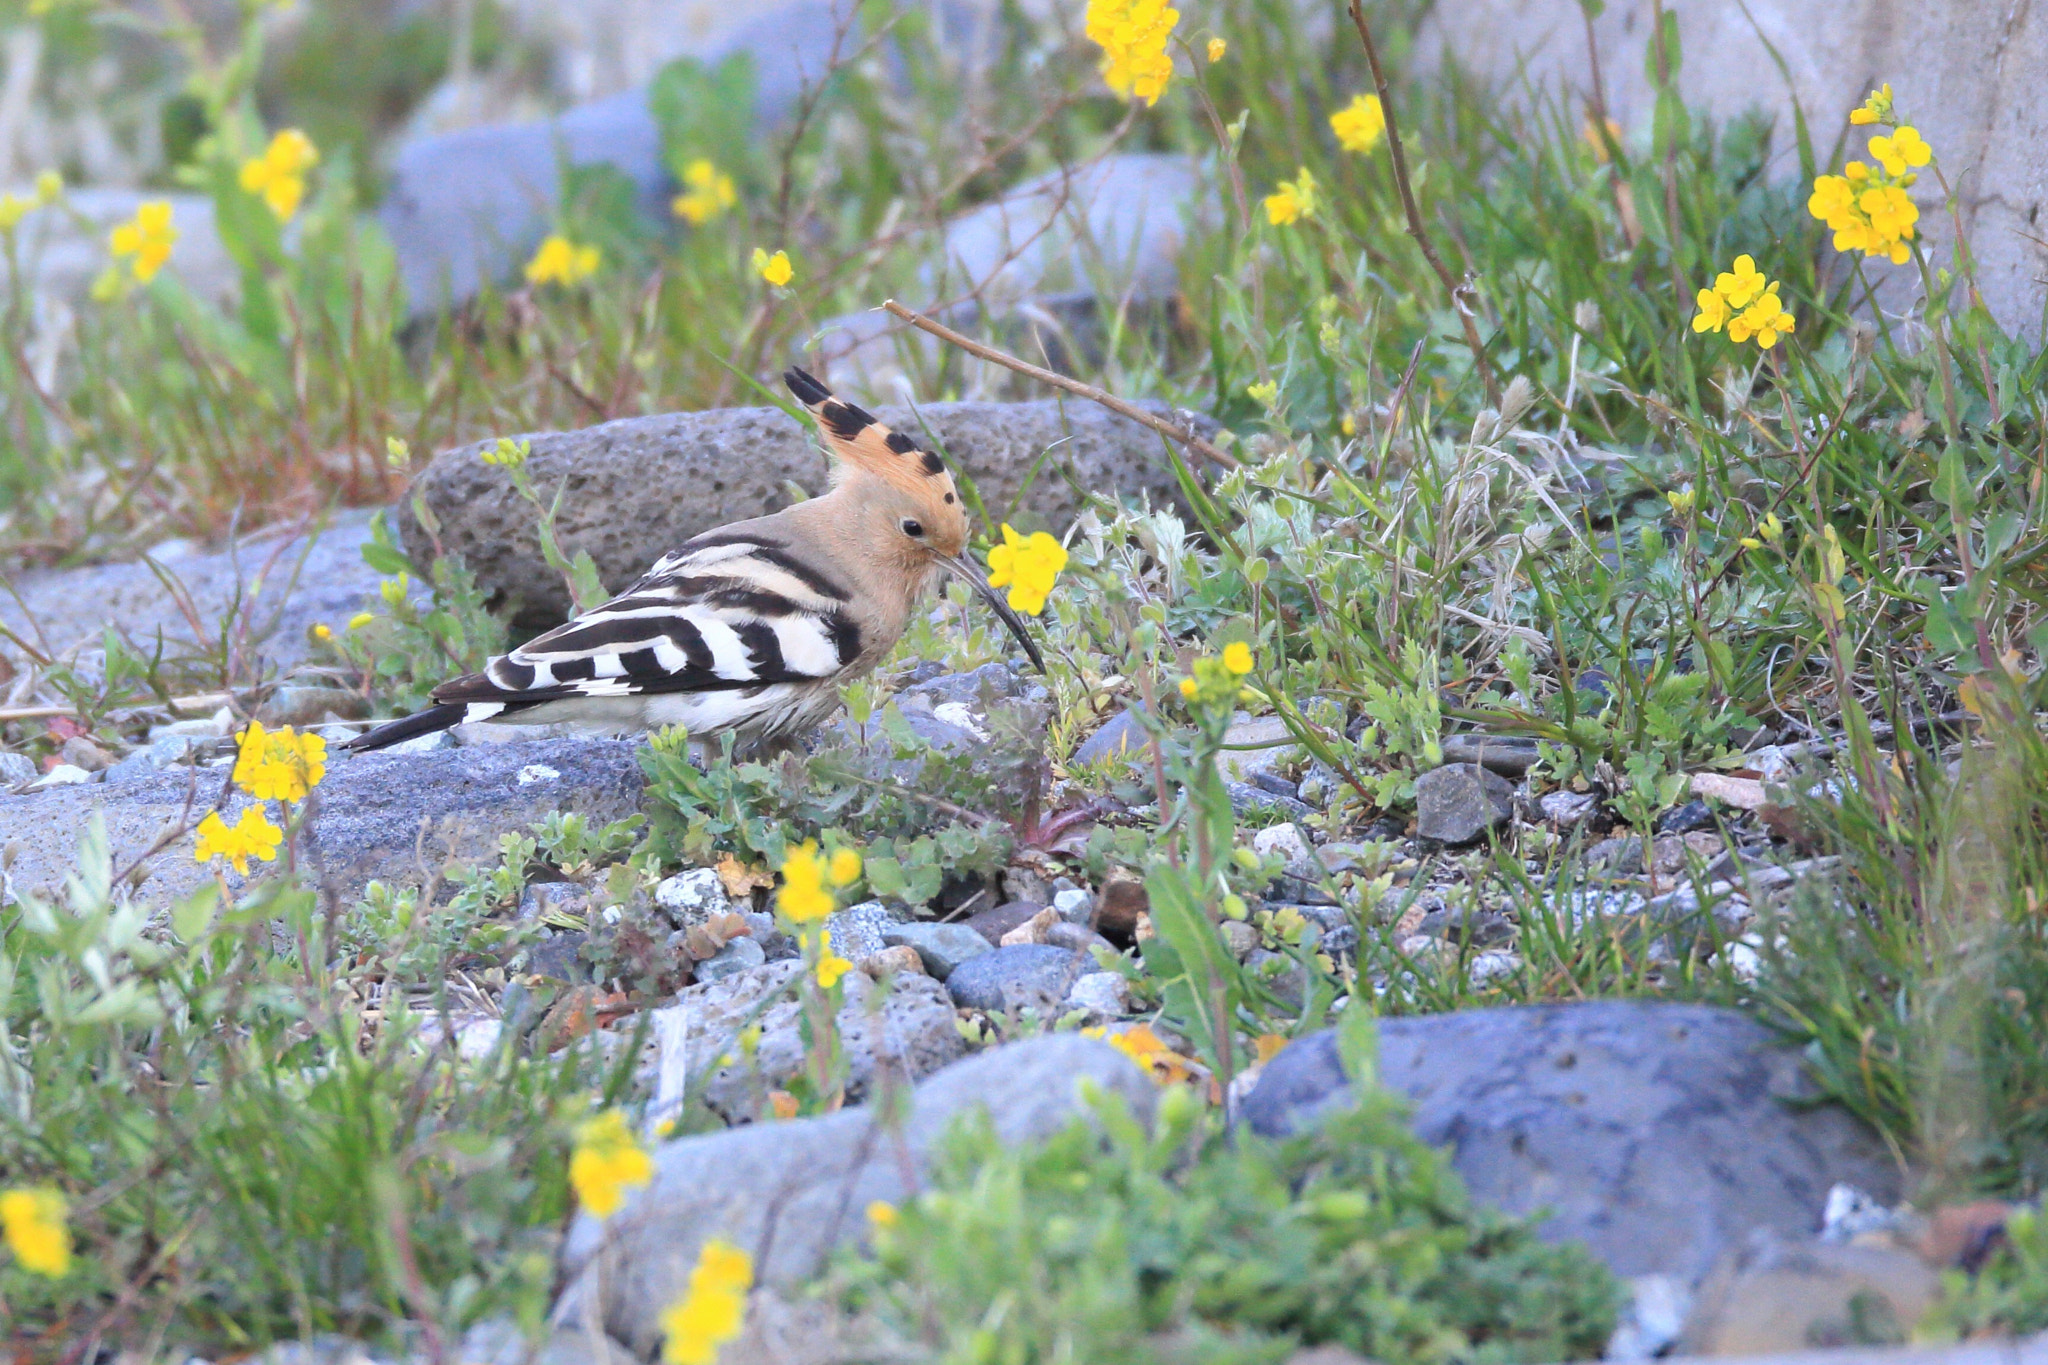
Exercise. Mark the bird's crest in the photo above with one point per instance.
(854, 436)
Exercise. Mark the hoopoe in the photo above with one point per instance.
(749, 628)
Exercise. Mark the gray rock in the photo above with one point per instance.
(399, 820)
(1122, 737)
(791, 1192)
(1658, 1134)
(269, 592)
(738, 955)
(639, 487)
(1026, 975)
(1246, 798)
(1461, 802)
(1508, 757)
(1568, 810)
(16, 770)
(941, 947)
(1075, 905)
(1240, 938)
(998, 920)
(430, 744)
(1275, 749)
(1077, 938)
(63, 775)
(558, 898)
(1339, 934)
(1463, 923)
(560, 957)
(134, 766)
(692, 897)
(912, 1034)
(1105, 995)
(1287, 841)
(859, 931)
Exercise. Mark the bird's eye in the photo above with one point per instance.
(912, 527)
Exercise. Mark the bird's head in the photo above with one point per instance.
(906, 494)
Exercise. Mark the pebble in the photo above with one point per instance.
(1240, 938)
(692, 897)
(738, 955)
(1246, 798)
(541, 898)
(900, 960)
(175, 749)
(1284, 841)
(856, 932)
(533, 772)
(219, 725)
(1482, 927)
(1317, 788)
(1652, 1320)
(1029, 975)
(16, 769)
(998, 920)
(1075, 937)
(941, 947)
(1122, 736)
(1032, 930)
(1493, 965)
(81, 752)
(1568, 810)
(1460, 803)
(1075, 906)
(134, 766)
(63, 775)
(1119, 905)
(1105, 995)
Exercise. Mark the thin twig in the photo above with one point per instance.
(1171, 430)
(201, 702)
(1399, 156)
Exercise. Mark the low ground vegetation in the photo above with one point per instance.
(1712, 464)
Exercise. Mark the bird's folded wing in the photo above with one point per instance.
(728, 611)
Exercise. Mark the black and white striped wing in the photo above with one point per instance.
(731, 612)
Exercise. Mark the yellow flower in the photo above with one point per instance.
(1765, 320)
(12, 211)
(1293, 201)
(507, 454)
(146, 238)
(1027, 566)
(1360, 125)
(1265, 393)
(607, 1162)
(1134, 35)
(1877, 107)
(1683, 500)
(34, 1223)
(712, 1311)
(708, 192)
(561, 261)
(1237, 657)
(882, 1214)
(279, 174)
(1217, 47)
(1713, 311)
(844, 869)
(1904, 148)
(1148, 1050)
(1743, 284)
(361, 619)
(803, 898)
(775, 269)
(49, 185)
(1770, 528)
(323, 631)
(831, 967)
(277, 765)
(252, 836)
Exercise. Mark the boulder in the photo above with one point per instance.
(397, 818)
(790, 1192)
(267, 591)
(635, 489)
(1658, 1134)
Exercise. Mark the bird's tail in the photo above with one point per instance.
(427, 722)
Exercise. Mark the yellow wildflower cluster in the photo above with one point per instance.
(707, 192)
(806, 876)
(1028, 566)
(1134, 35)
(13, 208)
(1149, 1051)
(607, 1162)
(279, 174)
(507, 453)
(145, 240)
(1360, 125)
(252, 836)
(1867, 207)
(278, 765)
(711, 1313)
(561, 261)
(33, 1221)
(1219, 679)
(1744, 302)
(1217, 47)
(775, 269)
(1293, 201)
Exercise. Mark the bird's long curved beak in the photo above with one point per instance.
(970, 573)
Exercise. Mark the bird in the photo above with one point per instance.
(748, 628)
